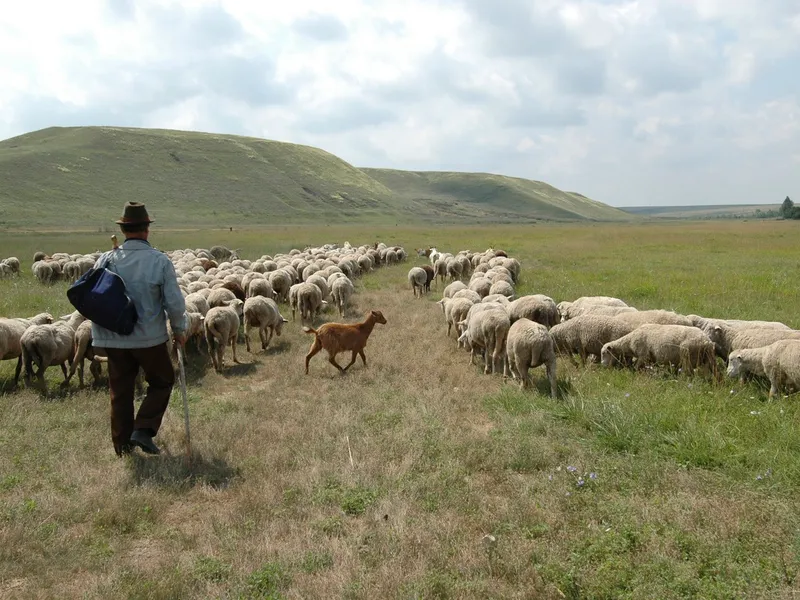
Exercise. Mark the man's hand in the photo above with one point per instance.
(180, 339)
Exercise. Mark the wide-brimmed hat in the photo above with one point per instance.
(135, 213)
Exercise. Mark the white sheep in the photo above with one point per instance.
(586, 335)
(780, 362)
(452, 288)
(418, 278)
(222, 328)
(728, 338)
(486, 330)
(568, 310)
(49, 345)
(529, 345)
(660, 317)
(309, 301)
(668, 345)
(536, 307)
(264, 314)
(455, 310)
(11, 331)
(341, 291)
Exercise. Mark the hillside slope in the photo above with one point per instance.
(81, 177)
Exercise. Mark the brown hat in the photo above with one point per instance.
(134, 214)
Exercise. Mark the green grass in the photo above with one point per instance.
(695, 485)
(81, 176)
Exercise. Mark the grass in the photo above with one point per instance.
(695, 485)
(81, 176)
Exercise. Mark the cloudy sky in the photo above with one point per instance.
(644, 102)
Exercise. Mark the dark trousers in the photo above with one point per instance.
(123, 366)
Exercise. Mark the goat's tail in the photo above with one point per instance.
(310, 330)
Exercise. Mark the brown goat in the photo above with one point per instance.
(341, 337)
(431, 274)
(207, 264)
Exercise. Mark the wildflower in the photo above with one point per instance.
(550, 478)
(758, 478)
(592, 475)
(627, 394)
(572, 469)
(755, 412)
(569, 493)
(689, 386)
(580, 482)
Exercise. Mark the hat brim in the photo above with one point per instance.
(132, 222)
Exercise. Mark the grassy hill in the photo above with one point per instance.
(711, 211)
(81, 177)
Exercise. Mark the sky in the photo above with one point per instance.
(632, 103)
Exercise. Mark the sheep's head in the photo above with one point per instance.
(237, 305)
(279, 325)
(607, 358)
(378, 316)
(735, 365)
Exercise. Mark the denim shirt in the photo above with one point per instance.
(151, 283)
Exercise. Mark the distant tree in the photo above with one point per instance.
(787, 209)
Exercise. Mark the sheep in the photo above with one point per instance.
(568, 310)
(469, 295)
(309, 301)
(669, 345)
(660, 317)
(84, 350)
(780, 362)
(707, 324)
(341, 290)
(728, 338)
(481, 285)
(11, 331)
(502, 287)
(455, 310)
(452, 288)
(262, 313)
(496, 299)
(538, 308)
(586, 335)
(440, 269)
(260, 287)
(281, 281)
(418, 278)
(197, 303)
(340, 337)
(222, 327)
(220, 297)
(486, 330)
(12, 262)
(529, 345)
(48, 345)
(454, 269)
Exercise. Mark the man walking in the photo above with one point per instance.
(151, 283)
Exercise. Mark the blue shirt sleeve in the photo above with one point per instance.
(174, 303)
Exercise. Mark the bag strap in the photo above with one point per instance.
(105, 259)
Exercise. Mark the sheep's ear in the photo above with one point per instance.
(284, 320)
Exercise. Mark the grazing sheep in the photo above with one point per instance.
(569, 310)
(418, 278)
(340, 337)
(12, 262)
(780, 362)
(538, 308)
(222, 327)
(220, 297)
(660, 317)
(84, 351)
(341, 290)
(496, 299)
(263, 313)
(486, 331)
(468, 295)
(49, 345)
(281, 281)
(728, 338)
(707, 324)
(529, 345)
(11, 331)
(481, 285)
(197, 303)
(668, 345)
(586, 335)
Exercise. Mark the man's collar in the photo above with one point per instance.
(136, 240)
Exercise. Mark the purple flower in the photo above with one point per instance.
(550, 478)
(580, 482)
(592, 475)
(572, 469)
(758, 478)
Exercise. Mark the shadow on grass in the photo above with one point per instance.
(176, 473)
(238, 370)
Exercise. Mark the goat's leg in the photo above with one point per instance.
(332, 360)
(315, 347)
(352, 360)
(363, 356)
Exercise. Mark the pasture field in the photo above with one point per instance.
(384, 483)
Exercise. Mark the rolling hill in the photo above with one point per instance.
(80, 177)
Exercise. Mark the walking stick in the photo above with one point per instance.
(185, 404)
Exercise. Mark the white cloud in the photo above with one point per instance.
(626, 101)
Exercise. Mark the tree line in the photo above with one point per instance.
(787, 210)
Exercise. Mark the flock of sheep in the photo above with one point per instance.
(524, 332)
(221, 293)
(512, 334)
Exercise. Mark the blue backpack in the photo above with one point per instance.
(100, 296)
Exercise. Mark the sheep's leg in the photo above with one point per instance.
(247, 336)
(233, 348)
(315, 348)
(353, 359)
(65, 372)
(18, 370)
(262, 333)
(551, 375)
